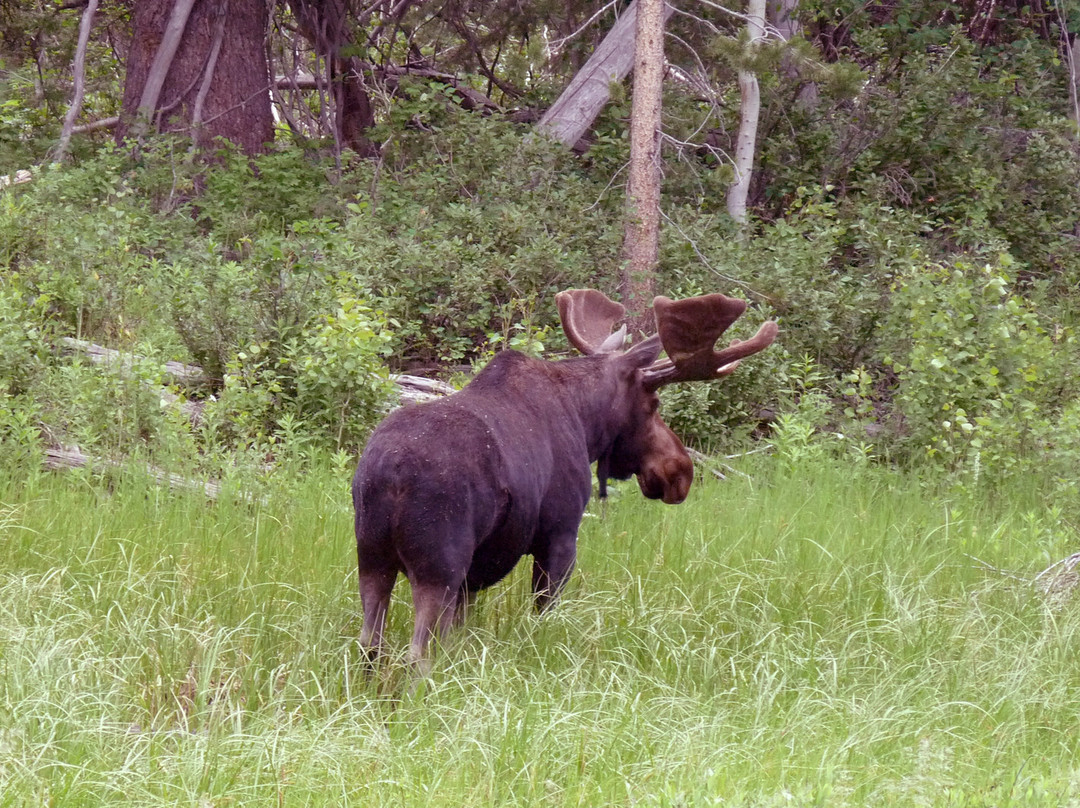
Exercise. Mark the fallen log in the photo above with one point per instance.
(411, 389)
(415, 389)
(18, 178)
(68, 457)
(569, 118)
(191, 376)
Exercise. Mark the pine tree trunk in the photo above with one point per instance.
(641, 236)
(216, 83)
(326, 25)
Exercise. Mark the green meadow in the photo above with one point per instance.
(834, 636)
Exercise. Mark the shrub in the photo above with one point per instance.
(329, 380)
(24, 346)
(979, 377)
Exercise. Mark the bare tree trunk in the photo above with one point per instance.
(750, 110)
(642, 227)
(79, 69)
(783, 17)
(1070, 51)
(325, 24)
(199, 66)
(577, 107)
(159, 68)
(1071, 47)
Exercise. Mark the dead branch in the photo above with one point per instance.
(104, 123)
(1059, 581)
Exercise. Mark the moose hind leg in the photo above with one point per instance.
(465, 600)
(435, 605)
(375, 588)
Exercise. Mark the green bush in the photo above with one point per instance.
(328, 380)
(24, 343)
(979, 377)
(342, 387)
(466, 223)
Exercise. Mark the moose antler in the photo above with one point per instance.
(587, 318)
(688, 330)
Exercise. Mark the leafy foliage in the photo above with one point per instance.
(905, 147)
(979, 377)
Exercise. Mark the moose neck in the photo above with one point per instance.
(593, 400)
(596, 397)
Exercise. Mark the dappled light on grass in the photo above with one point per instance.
(823, 638)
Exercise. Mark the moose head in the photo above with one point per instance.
(687, 330)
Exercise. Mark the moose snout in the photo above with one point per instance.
(669, 480)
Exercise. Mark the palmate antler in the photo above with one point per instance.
(687, 329)
(587, 318)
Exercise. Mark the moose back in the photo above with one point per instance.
(455, 491)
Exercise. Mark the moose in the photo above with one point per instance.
(455, 491)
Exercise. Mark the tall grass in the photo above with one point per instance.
(832, 637)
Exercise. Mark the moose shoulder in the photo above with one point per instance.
(455, 491)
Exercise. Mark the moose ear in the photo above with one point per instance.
(643, 354)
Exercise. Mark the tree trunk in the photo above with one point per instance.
(1070, 47)
(215, 82)
(749, 111)
(642, 227)
(325, 24)
(783, 17)
(79, 71)
(576, 108)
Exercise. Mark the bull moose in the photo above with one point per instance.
(455, 491)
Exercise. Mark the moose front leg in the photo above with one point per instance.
(552, 568)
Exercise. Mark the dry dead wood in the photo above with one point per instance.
(68, 457)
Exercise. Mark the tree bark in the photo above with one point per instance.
(576, 108)
(641, 235)
(783, 17)
(175, 83)
(1070, 52)
(325, 24)
(750, 110)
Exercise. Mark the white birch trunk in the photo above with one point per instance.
(750, 110)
